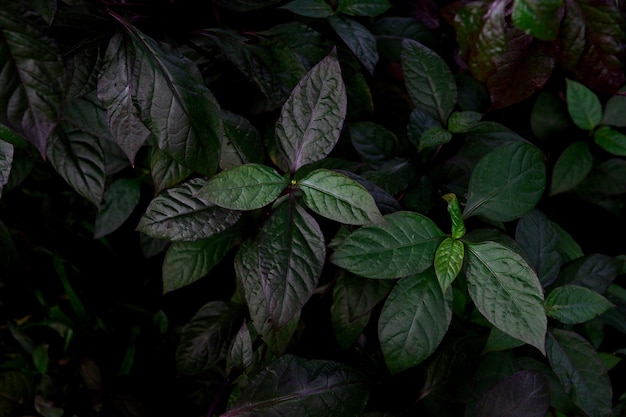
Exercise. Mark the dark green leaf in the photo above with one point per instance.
(594, 271)
(405, 245)
(573, 165)
(428, 79)
(583, 105)
(524, 394)
(205, 338)
(179, 214)
(507, 183)
(385, 202)
(448, 261)
(461, 121)
(614, 114)
(293, 386)
(244, 187)
(309, 8)
(571, 304)
(338, 197)
(393, 176)
(311, 120)
(174, 103)
(610, 140)
(119, 202)
(241, 143)
(580, 371)
(186, 262)
(165, 171)
(413, 321)
(506, 291)
(538, 18)
(31, 76)
(373, 142)
(358, 39)
(354, 298)
(421, 121)
(607, 178)
(434, 136)
(566, 245)
(498, 341)
(240, 354)
(371, 8)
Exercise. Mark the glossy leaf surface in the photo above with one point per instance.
(448, 261)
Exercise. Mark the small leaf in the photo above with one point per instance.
(421, 121)
(405, 245)
(244, 187)
(506, 291)
(456, 218)
(572, 304)
(165, 171)
(507, 183)
(538, 18)
(241, 143)
(434, 136)
(337, 197)
(526, 393)
(293, 386)
(583, 105)
(413, 321)
(118, 204)
(240, 354)
(462, 121)
(359, 40)
(370, 8)
(179, 215)
(373, 142)
(571, 168)
(610, 140)
(428, 79)
(580, 371)
(309, 8)
(614, 112)
(448, 261)
(312, 117)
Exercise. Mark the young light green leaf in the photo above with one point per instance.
(359, 40)
(538, 18)
(312, 117)
(583, 105)
(610, 140)
(403, 246)
(118, 204)
(580, 371)
(244, 187)
(293, 386)
(448, 261)
(572, 304)
(571, 168)
(506, 291)
(337, 197)
(456, 218)
(309, 8)
(413, 321)
(371, 8)
(506, 183)
(428, 79)
(178, 214)
(186, 262)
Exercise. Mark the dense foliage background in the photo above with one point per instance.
(312, 208)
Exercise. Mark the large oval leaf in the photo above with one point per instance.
(507, 183)
(312, 117)
(337, 197)
(293, 386)
(413, 321)
(405, 245)
(178, 214)
(506, 291)
(572, 304)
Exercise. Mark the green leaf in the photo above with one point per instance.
(116, 94)
(610, 140)
(293, 386)
(309, 8)
(358, 39)
(179, 214)
(583, 105)
(240, 354)
(572, 304)
(507, 183)
(405, 245)
(595, 271)
(31, 76)
(448, 261)
(413, 321)
(499, 341)
(204, 338)
(539, 239)
(506, 291)
(428, 79)
(312, 117)
(434, 136)
(374, 143)
(186, 262)
(614, 112)
(462, 121)
(337, 197)
(174, 102)
(244, 187)
(526, 393)
(580, 371)
(456, 218)
(79, 159)
(354, 298)
(370, 8)
(119, 202)
(241, 143)
(573, 165)
(567, 246)
(421, 121)
(538, 18)
(393, 176)
(165, 171)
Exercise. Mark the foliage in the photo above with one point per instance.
(312, 208)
